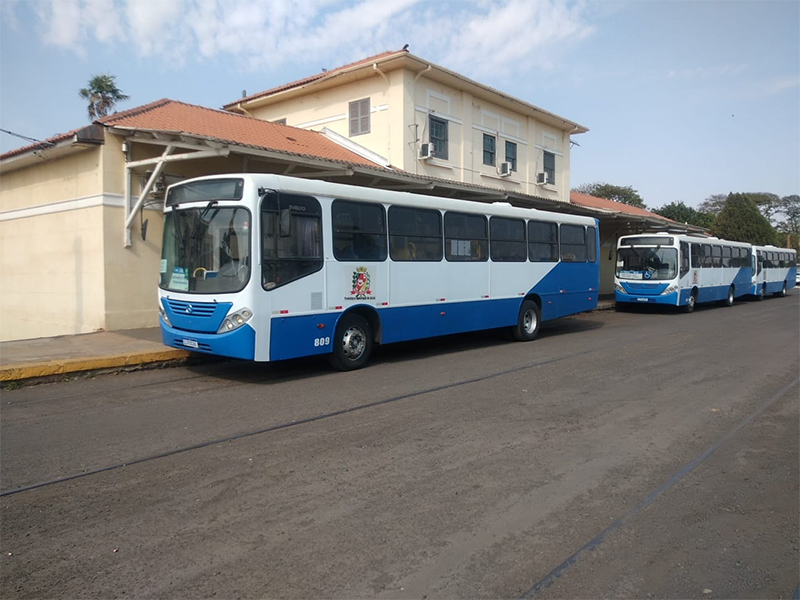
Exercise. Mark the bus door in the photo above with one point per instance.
(684, 265)
(759, 264)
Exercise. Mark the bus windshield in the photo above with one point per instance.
(206, 249)
(647, 263)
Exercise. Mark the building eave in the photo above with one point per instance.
(79, 141)
(417, 65)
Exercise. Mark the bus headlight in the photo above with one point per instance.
(673, 288)
(235, 320)
(619, 288)
(164, 314)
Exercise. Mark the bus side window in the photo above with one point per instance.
(359, 231)
(507, 241)
(707, 260)
(696, 256)
(716, 254)
(542, 241)
(684, 258)
(415, 234)
(573, 243)
(466, 237)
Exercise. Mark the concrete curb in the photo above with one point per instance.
(45, 370)
(66, 366)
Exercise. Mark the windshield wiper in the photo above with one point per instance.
(202, 216)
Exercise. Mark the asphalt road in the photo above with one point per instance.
(646, 455)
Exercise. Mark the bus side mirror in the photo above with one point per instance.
(611, 254)
(286, 222)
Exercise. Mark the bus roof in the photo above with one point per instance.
(339, 190)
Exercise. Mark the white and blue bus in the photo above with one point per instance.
(266, 267)
(774, 271)
(683, 271)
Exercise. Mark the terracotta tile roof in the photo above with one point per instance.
(48, 143)
(178, 117)
(312, 78)
(601, 203)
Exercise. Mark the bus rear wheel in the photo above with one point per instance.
(729, 299)
(527, 327)
(352, 344)
(782, 293)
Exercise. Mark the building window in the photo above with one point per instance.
(438, 129)
(511, 154)
(489, 149)
(359, 117)
(550, 167)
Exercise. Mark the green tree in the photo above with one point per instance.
(618, 193)
(713, 204)
(741, 221)
(678, 211)
(787, 215)
(767, 203)
(102, 94)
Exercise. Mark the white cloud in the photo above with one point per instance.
(478, 37)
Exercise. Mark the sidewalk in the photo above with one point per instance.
(62, 355)
(45, 358)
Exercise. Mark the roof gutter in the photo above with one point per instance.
(83, 139)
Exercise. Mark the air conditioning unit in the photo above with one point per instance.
(505, 169)
(426, 151)
(541, 178)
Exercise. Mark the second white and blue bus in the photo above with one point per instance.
(265, 267)
(683, 271)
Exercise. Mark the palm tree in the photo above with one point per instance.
(102, 95)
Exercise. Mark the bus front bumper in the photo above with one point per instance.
(671, 299)
(240, 343)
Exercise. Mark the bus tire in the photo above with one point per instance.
(689, 306)
(729, 298)
(352, 343)
(782, 293)
(761, 292)
(528, 322)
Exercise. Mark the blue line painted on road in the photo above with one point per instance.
(592, 544)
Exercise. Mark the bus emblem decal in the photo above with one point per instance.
(361, 289)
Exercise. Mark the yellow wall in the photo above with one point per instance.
(50, 181)
(401, 105)
(52, 274)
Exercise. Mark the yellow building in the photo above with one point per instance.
(430, 121)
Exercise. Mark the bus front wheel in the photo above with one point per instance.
(527, 327)
(689, 306)
(352, 344)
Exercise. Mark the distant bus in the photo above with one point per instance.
(683, 271)
(265, 268)
(774, 272)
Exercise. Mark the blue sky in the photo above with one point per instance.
(683, 99)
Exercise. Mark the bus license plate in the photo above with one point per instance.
(190, 343)
(643, 299)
